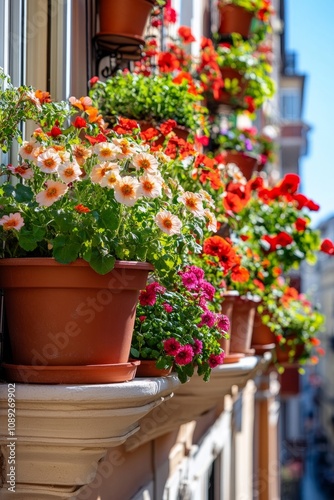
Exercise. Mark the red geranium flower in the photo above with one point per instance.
(79, 122)
(327, 246)
(289, 184)
(186, 34)
(167, 127)
(300, 224)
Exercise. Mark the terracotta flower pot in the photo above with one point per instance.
(228, 98)
(69, 315)
(284, 354)
(126, 18)
(247, 164)
(227, 309)
(147, 368)
(242, 325)
(263, 339)
(234, 19)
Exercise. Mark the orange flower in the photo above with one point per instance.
(81, 209)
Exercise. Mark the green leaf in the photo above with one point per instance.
(23, 193)
(65, 249)
(28, 239)
(134, 352)
(110, 218)
(101, 263)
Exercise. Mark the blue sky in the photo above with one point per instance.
(310, 32)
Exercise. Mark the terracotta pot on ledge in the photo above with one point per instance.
(74, 325)
(242, 325)
(230, 298)
(124, 20)
(263, 339)
(234, 19)
(246, 163)
(148, 368)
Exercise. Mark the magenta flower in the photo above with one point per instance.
(185, 355)
(202, 303)
(208, 290)
(208, 318)
(147, 298)
(155, 287)
(223, 322)
(198, 346)
(199, 273)
(142, 318)
(216, 359)
(171, 346)
(189, 280)
(168, 308)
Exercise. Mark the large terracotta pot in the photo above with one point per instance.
(242, 325)
(247, 164)
(234, 19)
(68, 315)
(124, 17)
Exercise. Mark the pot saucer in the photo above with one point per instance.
(233, 357)
(79, 374)
(261, 349)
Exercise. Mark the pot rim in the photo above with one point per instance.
(50, 261)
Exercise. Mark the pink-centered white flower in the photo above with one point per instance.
(127, 190)
(145, 161)
(49, 161)
(127, 149)
(23, 170)
(101, 170)
(69, 172)
(168, 223)
(150, 186)
(81, 153)
(207, 198)
(12, 221)
(110, 179)
(54, 190)
(211, 220)
(106, 151)
(193, 202)
(32, 98)
(28, 150)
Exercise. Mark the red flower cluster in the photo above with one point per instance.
(227, 257)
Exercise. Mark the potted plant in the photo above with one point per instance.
(178, 328)
(86, 201)
(238, 146)
(126, 19)
(16, 104)
(236, 16)
(151, 99)
(293, 322)
(232, 75)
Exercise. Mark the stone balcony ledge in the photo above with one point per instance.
(62, 431)
(196, 397)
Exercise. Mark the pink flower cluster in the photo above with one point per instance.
(193, 281)
(184, 354)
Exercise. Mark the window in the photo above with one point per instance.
(290, 104)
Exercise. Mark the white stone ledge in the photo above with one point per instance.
(196, 397)
(62, 431)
